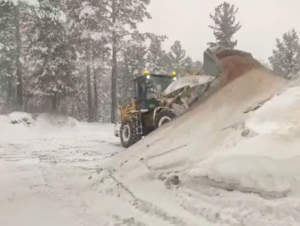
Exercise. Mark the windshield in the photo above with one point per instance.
(157, 84)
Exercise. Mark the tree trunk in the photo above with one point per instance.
(54, 103)
(96, 96)
(26, 103)
(114, 85)
(9, 90)
(114, 68)
(89, 89)
(18, 61)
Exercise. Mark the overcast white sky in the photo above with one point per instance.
(187, 20)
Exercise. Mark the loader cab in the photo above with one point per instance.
(146, 86)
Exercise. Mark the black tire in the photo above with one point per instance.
(128, 133)
(163, 117)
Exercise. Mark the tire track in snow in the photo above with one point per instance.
(139, 204)
(67, 197)
(236, 208)
(127, 222)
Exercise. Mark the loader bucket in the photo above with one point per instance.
(211, 64)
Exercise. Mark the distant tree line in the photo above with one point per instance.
(77, 57)
(285, 59)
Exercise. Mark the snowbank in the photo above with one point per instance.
(236, 155)
(262, 163)
(263, 175)
(38, 119)
(21, 118)
(270, 160)
(21, 125)
(16, 125)
(280, 115)
(56, 120)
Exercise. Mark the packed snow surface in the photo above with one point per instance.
(233, 160)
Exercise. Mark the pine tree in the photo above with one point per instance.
(14, 24)
(123, 16)
(132, 64)
(87, 19)
(100, 55)
(188, 64)
(191, 66)
(177, 57)
(7, 50)
(225, 26)
(197, 66)
(55, 54)
(19, 65)
(285, 60)
(156, 55)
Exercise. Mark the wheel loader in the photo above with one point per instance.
(144, 114)
(158, 98)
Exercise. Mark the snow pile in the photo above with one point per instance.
(4, 120)
(22, 126)
(15, 125)
(21, 118)
(56, 120)
(236, 155)
(39, 120)
(281, 115)
(263, 175)
(268, 162)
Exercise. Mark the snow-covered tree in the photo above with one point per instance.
(123, 17)
(7, 50)
(12, 27)
(189, 66)
(90, 28)
(156, 55)
(132, 64)
(18, 62)
(77, 57)
(285, 60)
(55, 54)
(197, 66)
(177, 57)
(188, 63)
(100, 55)
(225, 25)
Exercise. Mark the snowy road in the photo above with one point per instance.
(47, 180)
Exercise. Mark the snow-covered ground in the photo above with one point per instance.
(57, 171)
(47, 173)
(233, 160)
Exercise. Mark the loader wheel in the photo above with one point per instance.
(128, 133)
(163, 117)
